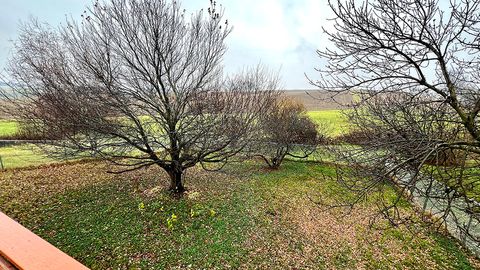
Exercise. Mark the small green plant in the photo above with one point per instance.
(171, 221)
(212, 213)
(141, 206)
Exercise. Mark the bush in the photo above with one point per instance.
(358, 137)
(286, 130)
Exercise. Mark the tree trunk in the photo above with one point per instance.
(278, 159)
(176, 183)
(275, 163)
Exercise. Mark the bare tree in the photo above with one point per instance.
(286, 130)
(415, 67)
(138, 83)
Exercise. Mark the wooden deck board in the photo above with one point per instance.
(5, 265)
(27, 251)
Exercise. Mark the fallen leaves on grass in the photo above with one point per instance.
(240, 218)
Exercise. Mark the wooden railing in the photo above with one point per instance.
(23, 250)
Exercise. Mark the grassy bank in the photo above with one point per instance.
(23, 155)
(334, 120)
(8, 128)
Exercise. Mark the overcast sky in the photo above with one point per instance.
(282, 34)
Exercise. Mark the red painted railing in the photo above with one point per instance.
(24, 250)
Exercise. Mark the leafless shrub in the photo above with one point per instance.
(353, 137)
(286, 130)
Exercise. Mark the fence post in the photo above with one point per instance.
(1, 164)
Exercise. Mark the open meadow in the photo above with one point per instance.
(25, 155)
(8, 128)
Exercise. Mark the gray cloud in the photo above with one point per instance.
(281, 34)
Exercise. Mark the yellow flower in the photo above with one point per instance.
(170, 221)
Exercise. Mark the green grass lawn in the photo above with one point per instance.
(334, 120)
(23, 155)
(8, 128)
(243, 217)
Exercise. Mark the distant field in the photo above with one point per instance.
(335, 117)
(333, 120)
(316, 100)
(324, 110)
(8, 127)
(24, 155)
(3, 105)
(29, 155)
